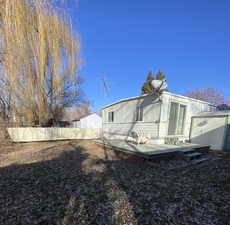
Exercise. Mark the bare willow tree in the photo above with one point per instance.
(39, 61)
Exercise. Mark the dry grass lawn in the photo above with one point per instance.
(80, 183)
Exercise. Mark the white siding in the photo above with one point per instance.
(125, 117)
(209, 131)
(77, 124)
(91, 121)
(149, 129)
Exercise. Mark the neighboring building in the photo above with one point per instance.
(89, 121)
(158, 118)
(213, 129)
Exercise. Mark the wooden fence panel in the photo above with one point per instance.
(29, 134)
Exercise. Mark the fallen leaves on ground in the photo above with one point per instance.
(80, 183)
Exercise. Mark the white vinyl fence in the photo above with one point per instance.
(30, 134)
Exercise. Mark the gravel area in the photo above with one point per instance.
(80, 183)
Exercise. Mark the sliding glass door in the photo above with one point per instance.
(176, 119)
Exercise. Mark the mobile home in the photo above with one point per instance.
(159, 118)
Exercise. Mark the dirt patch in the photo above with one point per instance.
(79, 182)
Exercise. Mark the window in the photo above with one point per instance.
(111, 116)
(139, 113)
(176, 119)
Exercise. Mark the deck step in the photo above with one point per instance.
(187, 150)
(197, 161)
(202, 149)
(191, 155)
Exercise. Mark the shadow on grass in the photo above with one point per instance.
(59, 190)
(77, 188)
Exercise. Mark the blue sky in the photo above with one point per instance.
(122, 40)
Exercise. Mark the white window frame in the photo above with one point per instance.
(177, 118)
(139, 114)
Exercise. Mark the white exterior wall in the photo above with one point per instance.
(211, 129)
(76, 124)
(193, 107)
(125, 116)
(91, 121)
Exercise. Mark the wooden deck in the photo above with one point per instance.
(150, 150)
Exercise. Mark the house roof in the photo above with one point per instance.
(81, 117)
(165, 93)
(216, 113)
